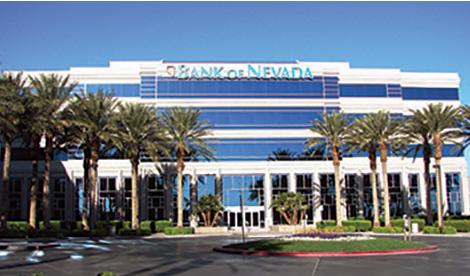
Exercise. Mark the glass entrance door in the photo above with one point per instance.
(253, 217)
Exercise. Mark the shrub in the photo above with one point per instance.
(399, 222)
(462, 225)
(360, 225)
(148, 225)
(337, 229)
(178, 230)
(38, 274)
(21, 226)
(160, 225)
(324, 223)
(131, 232)
(435, 230)
(388, 230)
(54, 224)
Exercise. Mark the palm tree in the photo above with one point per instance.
(209, 207)
(12, 88)
(93, 115)
(54, 91)
(442, 122)
(186, 133)
(364, 137)
(289, 205)
(33, 125)
(465, 126)
(387, 132)
(416, 130)
(333, 129)
(137, 132)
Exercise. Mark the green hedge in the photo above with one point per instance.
(399, 222)
(148, 225)
(18, 226)
(462, 225)
(130, 232)
(388, 230)
(338, 228)
(358, 225)
(106, 273)
(325, 223)
(160, 225)
(435, 230)
(361, 225)
(179, 230)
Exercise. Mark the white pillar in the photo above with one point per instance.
(422, 189)
(193, 182)
(445, 205)
(342, 180)
(292, 183)
(268, 214)
(464, 191)
(405, 186)
(317, 198)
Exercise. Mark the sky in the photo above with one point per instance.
(412, 36)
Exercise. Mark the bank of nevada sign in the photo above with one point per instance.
(239, 71)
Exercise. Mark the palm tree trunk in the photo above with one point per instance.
(427, 181)
(93, 180)
(437, 158)
(5, 183)
(135, 197)
(373, 176)
(85, 183)
(336, 163)
(45, 188)
(34, 183)
(383, 160)
(180, 166)
(286, 217)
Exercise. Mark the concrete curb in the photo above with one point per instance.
(429, 249)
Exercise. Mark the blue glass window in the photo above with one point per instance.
(414, 93)
(173, 88)
(454, 196)
(248, 187)
(261, 117)
(363, 90)
(118, 90)
(205, 185)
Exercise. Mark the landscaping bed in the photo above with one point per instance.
(328, 246)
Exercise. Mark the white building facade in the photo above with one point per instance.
(259, 111)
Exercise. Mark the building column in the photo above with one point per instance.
(193, 198)
(267, 189)
(120, 195)
(342, 181)
(318, 208)
(142, 193)
(405, 188)
(359, 181)
(422, 189)
(168, 186)
(445, 204)
(218, 189)
(292, 184)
